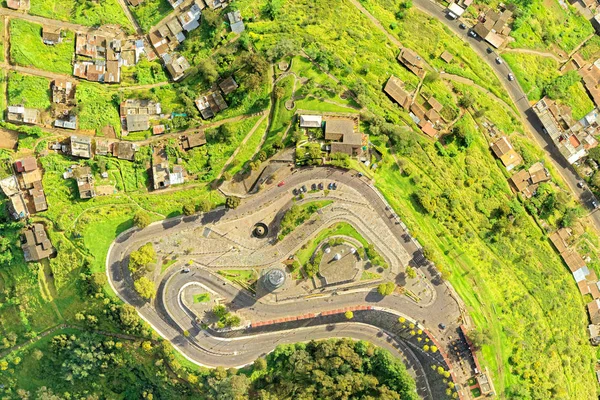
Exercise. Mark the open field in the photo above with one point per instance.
(27, 48)
(32, 91)
(97, 108)
(83, 13)
(151, 12)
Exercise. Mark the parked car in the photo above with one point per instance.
(498, 60)
(360, 174)
(313, 187)
(280, 184)
(462, 26)
(295, 192)
(594, 204)
(489, 50)
(511, 77)
(330, 186)
(472, 34)
(442, 326)
(303, 189)
(185, 270)
(580, 184)
(334, 186)
(321, 187)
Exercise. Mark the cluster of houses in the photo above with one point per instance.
(492, 26)
(213, 102)
(24, 189)
(163, 175)
(99, 58)
(427, 116)
(137, 114)
(340, 131)
(572, 138)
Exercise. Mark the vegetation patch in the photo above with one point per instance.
(31, 91)
(28, 49)
(297, 214)
(97, 108)
(202, 298)
(246, 278)
(151, 12)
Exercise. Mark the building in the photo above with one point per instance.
(85, 182)
(455, 10)
(447, 57)
(527, 181)
(572, 138)
(70, 122)
(504, 150)
(590, 73)
(21, 5)
(102, 147)
(51, 35)
(90, 45)
(176, 65)
(27, 164)
(175, 3)
(594, 311)
(559, 239)
(137, 123)
(493, 27)
(485, 383)
(412, 61)
(81, 146)
(113, 72)
(235, 22)
(35, 243)
(92, 71)
(17, 206)
(190, 19)
(594, 332)
(21, 115)
(195, 140)
(136, 114)
(63, 91)
(211, 104)
(158, 129)
(135, 3)
(311, 121)
(160, 175)
(124, 150)
(228, 85)
(343, 137)
(395, 89)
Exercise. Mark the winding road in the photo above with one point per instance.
(171, 318)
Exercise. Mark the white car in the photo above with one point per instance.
(498, 60)
(511, 77)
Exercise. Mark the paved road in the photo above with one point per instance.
(170, 318)
(520, 99)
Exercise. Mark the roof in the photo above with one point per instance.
(51, 34)
(503, 149)
(456, 9)
(228, 85)
(429, 130)
(195, 140)
(538, 173)
(412, 61)
(124, 150)
(36, 245)
(113, 72)
(26, 164)
(311, 121)
(520, 180)
(436, 105)
(573, 260)
(235, 21)
(158, 129)
(594, 311)
(559, 242)
(137, 122)
(446, 56)
(81, 146)
(335, 129)
(395, 89)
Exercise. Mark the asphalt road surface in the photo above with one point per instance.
(518, 96)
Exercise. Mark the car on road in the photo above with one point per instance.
(280, 184)
(330, 186)
(499, 60)
(321, 187)
(462, 26)
(360, 174)
(442, 326)
(472, 34)
(185, 270)
(580, 184)
(313, 187)
(511, 77)
(334, 186)
(489, 50)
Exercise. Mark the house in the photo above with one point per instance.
(21, 5)
(137, 122)
(90, 45)
(102, 147)
(594, 311)
(81, 146)
(190, 141)
(504, 150)
(590, 73)
(158, 129)
(51, 35)
(485, 383)
(311, 121)
(66, 123)
(395, 89)
(575, 264)
(572, 138)
(493, 27)
(190, 19)
(594, 332)
(447, 57)
(211, 104)
(177, 177)
(135, 3)
(412, 61)
(38, 196)
(160, 175)
(35, 243)
(559, 239)
(228, 85)
(139, 107)
(455, 10)
(343, 137)
(177, 66)
(125, 150)
(235, 21)
(113, 72)
(175, 3)
(214, 4)
(94, 72)
(595, 21)
(85, 182)
(176, 29)
(27, 164)
(63, 91)
(527, 181)
(21, 115)
(17, 206)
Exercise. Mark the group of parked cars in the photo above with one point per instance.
(313, 188)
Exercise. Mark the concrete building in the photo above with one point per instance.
(23, 115)
(81, 146)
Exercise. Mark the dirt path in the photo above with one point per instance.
(130, 17)
(376, 22)
(580, 45)
(242, 143)
(46, 21)
(535, 52)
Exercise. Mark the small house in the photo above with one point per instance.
(35, 243)
(21, 5)
(195, 140)
(51, 35)
(235, 22)
(81, 146)
(228, 85)
(63, 91)
(125, 150)
(412, 61)
(22, 115)
(504, 150)
(311, 121)
(85, 182)
(395, 89)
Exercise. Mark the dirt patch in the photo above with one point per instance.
(109, 132)
(8, 140)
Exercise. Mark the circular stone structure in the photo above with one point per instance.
(339, 265)
(273, 279)
(260, 230)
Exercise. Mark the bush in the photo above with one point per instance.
(141, 219)
(232, 202)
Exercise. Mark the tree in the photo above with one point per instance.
(431, 77)
(207, 68)
(232, 202)
(37, 354)
(410, 272)
(142, 257)
(145, 288)
(189, 208)
(147, 345)
(386, 288)
(559, 88)
(271, 9)
(205, 205)
(349, 314)
(211, 18)
(466, 100)
(141, 219)
(260, 364)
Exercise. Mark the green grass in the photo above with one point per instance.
(338, 229)
(32, 91)
(247, 151)
(202, 298)
(2, 40)
(84, 13)
(151, 12)
(313, 104)
(590, 51)
(245, 278)
(27, 48)
(97, 108)
(367, 276)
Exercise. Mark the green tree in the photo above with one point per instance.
(349, 314)
(142, 257)
(145, 288)
(141, 219)
(386, 288)
(410, 272)
(189, 208)
(232, 202)
(205, 205)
